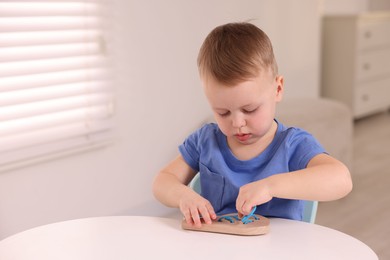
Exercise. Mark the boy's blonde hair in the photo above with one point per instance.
(236, 52)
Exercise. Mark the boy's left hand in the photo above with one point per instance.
(252, 194)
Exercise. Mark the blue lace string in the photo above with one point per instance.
(245, 220)
(229, 218)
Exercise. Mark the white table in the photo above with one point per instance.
(132, 237)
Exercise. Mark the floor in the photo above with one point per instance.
(365, 212)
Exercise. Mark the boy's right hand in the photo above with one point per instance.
(194, 207)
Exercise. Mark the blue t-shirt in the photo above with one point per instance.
(222, 174)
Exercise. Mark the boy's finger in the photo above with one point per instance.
(239, 206)
(211, 211)
(187, 217)
(246, 209)
(195, 217)
(205, 215)
(243, 209)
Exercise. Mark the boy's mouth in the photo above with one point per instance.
(243, 137)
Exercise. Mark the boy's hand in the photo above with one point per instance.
(252, 194)
(194, 207)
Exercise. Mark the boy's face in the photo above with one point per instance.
(245, 112)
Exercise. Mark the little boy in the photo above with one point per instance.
(248, 158)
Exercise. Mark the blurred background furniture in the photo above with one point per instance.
(355, 61)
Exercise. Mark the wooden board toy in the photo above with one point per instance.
(250, 225)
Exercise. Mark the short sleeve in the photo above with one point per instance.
(303, 147)
(189, 149)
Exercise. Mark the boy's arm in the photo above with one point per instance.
(170, 188)
(324, 179)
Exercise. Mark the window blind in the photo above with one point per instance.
(56, 93)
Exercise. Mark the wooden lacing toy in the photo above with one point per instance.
(250, 225)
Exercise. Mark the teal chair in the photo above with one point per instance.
(309, 212)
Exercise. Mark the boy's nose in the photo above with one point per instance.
(238, 121)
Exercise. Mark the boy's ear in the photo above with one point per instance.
(279, 87)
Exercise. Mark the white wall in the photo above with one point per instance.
(159, 102)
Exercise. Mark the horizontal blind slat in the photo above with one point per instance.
(11, 39)
(53, 78)
(53, 92)
(10, 54)
(52, 134)
(56, 105)
(25, 24)
(17, 126)
(57, 1)
(10, 9)
(8, 69)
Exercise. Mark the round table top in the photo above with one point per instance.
(136, 237)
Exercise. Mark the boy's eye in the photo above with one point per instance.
(250, 111)
(224, 113)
